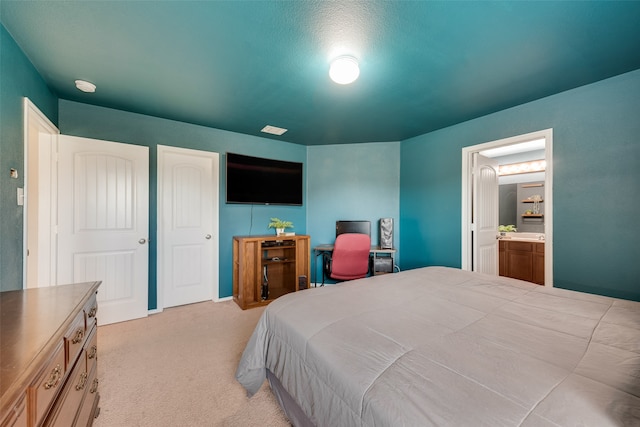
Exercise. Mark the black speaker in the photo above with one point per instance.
(264, 294)
(386, 233)
(302, 282)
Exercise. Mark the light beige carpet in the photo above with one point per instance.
(177, 368)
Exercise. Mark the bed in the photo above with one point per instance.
(439, 346)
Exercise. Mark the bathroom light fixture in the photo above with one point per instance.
(85, 86)
(525, 167)
(344, 70)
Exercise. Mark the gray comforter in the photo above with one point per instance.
(441, 346)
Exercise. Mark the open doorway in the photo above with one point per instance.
(518, 149)
(40, 202)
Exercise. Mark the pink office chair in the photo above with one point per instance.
(350, 257)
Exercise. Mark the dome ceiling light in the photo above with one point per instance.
(344, 70)
(85, 86)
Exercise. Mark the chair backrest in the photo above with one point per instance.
(350, 258)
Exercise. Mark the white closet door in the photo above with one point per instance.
(485, 215)
(187, 225)
(103, 205)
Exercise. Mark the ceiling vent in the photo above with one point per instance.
(273, 130)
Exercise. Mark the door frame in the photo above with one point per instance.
(467, 196)
(160, 283)
(46, 229)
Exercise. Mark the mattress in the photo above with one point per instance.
(439, 346)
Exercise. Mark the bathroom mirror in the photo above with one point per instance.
(523, 180)
(522, 204)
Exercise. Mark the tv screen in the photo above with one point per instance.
(256, 180)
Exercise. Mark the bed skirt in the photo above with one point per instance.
(294, 413)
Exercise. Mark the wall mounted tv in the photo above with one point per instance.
(255, 180)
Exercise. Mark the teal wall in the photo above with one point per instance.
(18, 79)
(596, 182)
(112, 125)
(352, 182)
(417, 182)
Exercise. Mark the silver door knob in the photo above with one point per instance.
(142, 241)
(208, 236)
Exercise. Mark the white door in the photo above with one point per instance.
(103, 204)
(187, 225)
(485, 215)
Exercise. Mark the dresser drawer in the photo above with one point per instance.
(47, 385)
(74, 339)
(91, 349)
(520, 246)
(90, 312)
(88, 409)
(17, 416)
(66, 408)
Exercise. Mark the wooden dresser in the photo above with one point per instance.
(48, 356)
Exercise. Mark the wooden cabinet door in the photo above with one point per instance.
(538, 264)
(502, 258)
(520, 265)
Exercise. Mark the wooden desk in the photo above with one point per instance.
(375, 252)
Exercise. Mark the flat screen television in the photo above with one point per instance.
(256, 180)
(361, 227)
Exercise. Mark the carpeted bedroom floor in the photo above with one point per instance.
(177, 368)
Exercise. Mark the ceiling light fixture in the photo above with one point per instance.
(85, 86)
(344, 70)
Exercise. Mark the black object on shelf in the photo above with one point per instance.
(265, 284)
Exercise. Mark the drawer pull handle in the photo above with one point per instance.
(92, 312)
(78, 337)
(82, 381)
(93, 352)
(94, 386)
(54, 378)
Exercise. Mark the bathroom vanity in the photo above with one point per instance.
(522, 259)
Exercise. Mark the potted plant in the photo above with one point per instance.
(280, 225)
(504, 229)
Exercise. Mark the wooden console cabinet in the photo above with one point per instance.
(48, 363)
(522, 260)
(280, 262)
